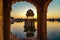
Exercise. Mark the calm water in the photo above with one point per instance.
(53, 30)
(18, 28)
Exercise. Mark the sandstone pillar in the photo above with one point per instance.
(6, 10)
(41, 24)
(1, 20)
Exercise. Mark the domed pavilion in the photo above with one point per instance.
(30, 13)
(29, 23)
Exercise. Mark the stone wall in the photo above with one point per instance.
(1, 20)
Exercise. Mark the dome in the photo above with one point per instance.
(30, 13)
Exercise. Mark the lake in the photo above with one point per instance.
(53, 30)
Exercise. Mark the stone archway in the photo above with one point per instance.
(41, 6)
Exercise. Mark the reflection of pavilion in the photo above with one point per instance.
(30, 24)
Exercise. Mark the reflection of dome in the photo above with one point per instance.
(30, 34)
(30, 13)
(30, 28)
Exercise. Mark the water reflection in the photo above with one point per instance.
(30, 34)
(30, 28)
(18, 28)
(29, 31)
(53, 30)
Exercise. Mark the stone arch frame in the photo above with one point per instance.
(41, 6)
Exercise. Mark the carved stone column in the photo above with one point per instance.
(42, 20)
(41, 24)
(6, 11)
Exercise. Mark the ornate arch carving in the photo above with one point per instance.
(46, 5)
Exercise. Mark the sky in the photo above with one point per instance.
(54, 9)
(19, 9)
